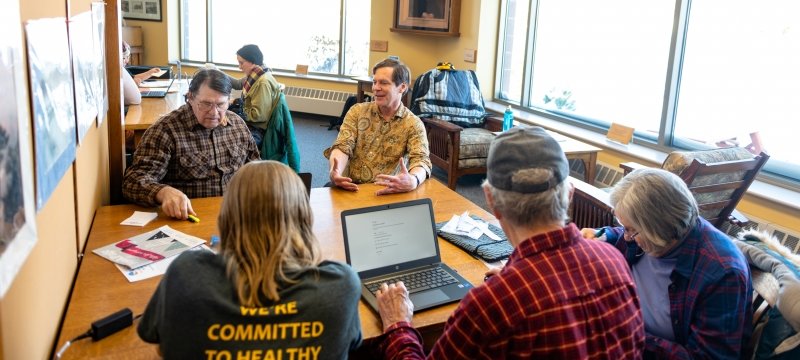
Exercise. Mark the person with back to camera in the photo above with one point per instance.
(130, 84)
(558, 296)
(376, 137)
(191, 152)
(267, 294)
(260, 90)
(692, 281)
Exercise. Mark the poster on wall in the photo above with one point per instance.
(99, 34)
(85, 69)
(17, 213)
(52, 103)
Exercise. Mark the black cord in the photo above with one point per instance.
(85, 335)
(66, 345)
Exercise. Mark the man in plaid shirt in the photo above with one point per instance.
(191, 152)
(559, 295)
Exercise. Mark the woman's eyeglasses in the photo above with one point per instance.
(627, 234)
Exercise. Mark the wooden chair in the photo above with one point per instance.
(718, 179)
(776, 285)
(460, 151)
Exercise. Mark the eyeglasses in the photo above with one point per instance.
(207, 106)
(625, 231)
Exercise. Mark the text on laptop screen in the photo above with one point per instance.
(390, 236)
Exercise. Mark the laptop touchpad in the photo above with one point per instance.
(426, 298)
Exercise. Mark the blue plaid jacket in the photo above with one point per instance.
(710, 296)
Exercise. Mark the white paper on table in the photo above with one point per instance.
(155, 83)
(464, 225)
(495, 264)
(155, 269)
(149, 247)
(139, 218)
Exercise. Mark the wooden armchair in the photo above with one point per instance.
(460, 151)
(718, 179)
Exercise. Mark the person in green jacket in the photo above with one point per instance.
(264, 109)
(260, 90)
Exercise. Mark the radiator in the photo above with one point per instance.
(316, 101)
(605, 175)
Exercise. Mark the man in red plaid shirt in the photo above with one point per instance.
(559, 295)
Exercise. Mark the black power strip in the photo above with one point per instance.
(111, 324)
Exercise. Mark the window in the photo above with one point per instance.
(333, 39)
(685, 74)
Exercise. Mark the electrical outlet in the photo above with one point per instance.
(469, 55)
(379, 45)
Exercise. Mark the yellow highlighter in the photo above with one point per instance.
(194, 219)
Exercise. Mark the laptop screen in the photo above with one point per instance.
(389, 235)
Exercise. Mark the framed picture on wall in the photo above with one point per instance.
(141, 9)
(429, 17)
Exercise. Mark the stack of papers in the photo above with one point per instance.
(155, 269)
(467, 226)
(148, 248)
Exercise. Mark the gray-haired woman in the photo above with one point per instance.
(692, 282)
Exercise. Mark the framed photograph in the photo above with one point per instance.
(430, 17)
(141, 9)
(17, 210)
(54, 127)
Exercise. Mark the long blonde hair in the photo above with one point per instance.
(266, 230)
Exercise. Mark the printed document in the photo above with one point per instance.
(149, 247)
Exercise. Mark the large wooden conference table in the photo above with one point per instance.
(100, 288)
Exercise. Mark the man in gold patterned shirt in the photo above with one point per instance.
(376, 138)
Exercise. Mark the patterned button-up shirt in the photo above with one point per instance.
(375, 145)
(559, 296)
(709, 298)
(177, 151)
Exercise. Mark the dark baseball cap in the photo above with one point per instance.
(524, 148)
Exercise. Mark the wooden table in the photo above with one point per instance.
(140, 117)
(100, 289)
(579, 150)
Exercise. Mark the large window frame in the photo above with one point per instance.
(777, 172)
(341, 66)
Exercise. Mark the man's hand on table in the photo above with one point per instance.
(174, 203)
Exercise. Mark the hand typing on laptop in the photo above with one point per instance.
(394, 304)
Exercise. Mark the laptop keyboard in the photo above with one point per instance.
(417, 281)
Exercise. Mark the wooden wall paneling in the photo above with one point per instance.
(116, 125)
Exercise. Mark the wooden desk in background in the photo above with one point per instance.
(140, 117)
(365, 86)
(100, 289)
(579, 150)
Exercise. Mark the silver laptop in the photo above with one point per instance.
(397, 241)
(160, 93)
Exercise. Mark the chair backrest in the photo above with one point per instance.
(718, 178)
(590, 206)
(306, 177)
(775, 275)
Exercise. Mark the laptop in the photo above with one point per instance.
(398, 241)
(157, 93)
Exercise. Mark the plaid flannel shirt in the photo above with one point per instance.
(177, 151)
(710, 296)
(559, 296)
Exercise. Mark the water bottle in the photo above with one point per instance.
(508, 118)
